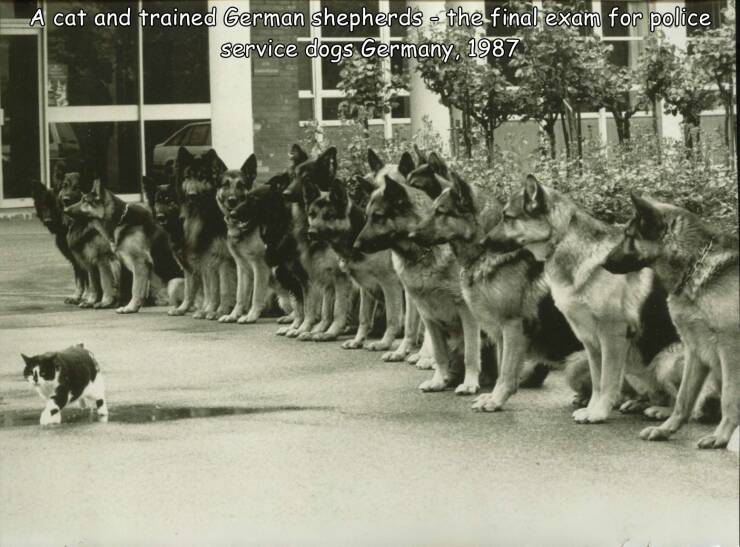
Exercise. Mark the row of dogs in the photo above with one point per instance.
(645, 317)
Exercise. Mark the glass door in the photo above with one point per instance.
(20, 112)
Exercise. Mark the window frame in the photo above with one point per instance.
(138, 112)
(317, 93)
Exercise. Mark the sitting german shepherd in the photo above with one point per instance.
(52, 217)
(265, 210)
(91, 248)
(699, 266)
(621, 320)
(334, 217)
(204, 250)
(505, 289)
(142, 245)
(246, 247)
(431, 276)
(328, 290)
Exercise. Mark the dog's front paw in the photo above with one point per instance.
(394, 356)
(352, 344)
(248, 319)
(655, 434)
(285, 320)
(200, 314)
(413, 358)
(86, 304)
(73, 300)
(580, 400)
(590, 416)
(467, 389)
(378, 345)
(659, 413)
(434, 385)
(47, 418)
(632, 406)
(304, 336)
(212, 315)
(228, 318)
(486, 403)
(712, 441)
(426, 363)
(176, 312)
(282, 331)
(127, 309)
(324, 336)
(104, 304)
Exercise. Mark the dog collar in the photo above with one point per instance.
(691, 270)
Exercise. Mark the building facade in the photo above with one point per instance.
(126, 98)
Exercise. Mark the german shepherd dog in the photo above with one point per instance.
(699, 266)
(328, 290)
(205, 251)
(51, 215)
(142, 245)
(621, 320)
(89, 246)
(265, 210)
(334, 217)
(505, 289)
(247, 247)
(430, 275)
(164, 202)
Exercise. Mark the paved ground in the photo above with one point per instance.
(270, 441)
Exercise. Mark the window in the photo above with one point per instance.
(626, 41)
(713, 7)
(122, 131)
(318, 78)
(176, 58)
(19, 9)
(90, 65)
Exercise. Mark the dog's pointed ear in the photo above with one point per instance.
(463, 191)
(374, 161)
(365, 185)
(57, 176)
(297, 155)
(420, 155)
(279, 182)
(249, 169)
(651, 219)
(338, 195)
(149, 187)
(328, 161)
(310, 192)
(184, 158)
(438, 165)
(534, 195)
(26, 359)
(215, 166)
(96, 188)
(394, 192)
(406, 164)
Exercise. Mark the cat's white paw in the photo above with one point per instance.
(47, 418)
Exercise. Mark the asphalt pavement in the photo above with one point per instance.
(230, 435)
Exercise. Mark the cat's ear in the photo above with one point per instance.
(26, 359)
(80, 345)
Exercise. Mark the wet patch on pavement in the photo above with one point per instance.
(142, 414)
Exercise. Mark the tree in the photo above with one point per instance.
(689, 94)
(369, 91)
(655, 71)
(616, 94)
(716, 49)
(558, 71)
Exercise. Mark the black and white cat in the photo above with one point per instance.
(62, 377)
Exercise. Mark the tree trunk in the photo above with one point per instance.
(490, 143)
(550, 132)
(579, 132)
(566, 134)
